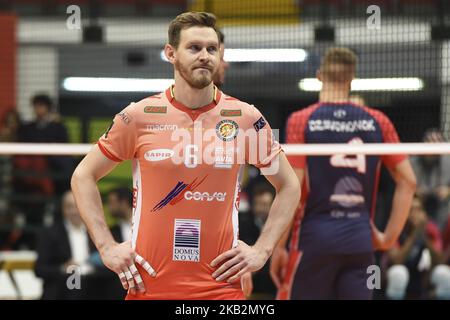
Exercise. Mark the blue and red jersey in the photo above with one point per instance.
(339, 191)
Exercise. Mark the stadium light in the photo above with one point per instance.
(99, 84)
(261, 55)
(375, 84)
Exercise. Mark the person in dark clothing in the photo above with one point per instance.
(42, 177)
(250, 226)
(65, 252)
(418, 252)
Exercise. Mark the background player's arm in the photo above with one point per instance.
(405, 186)
(243, 258)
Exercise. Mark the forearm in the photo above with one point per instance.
(280, 217)
(285, 236)
(399, 213)
(89, 204)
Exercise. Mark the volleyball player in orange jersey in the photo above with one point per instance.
(185, 224)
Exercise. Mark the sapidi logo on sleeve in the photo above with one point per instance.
(186, 240)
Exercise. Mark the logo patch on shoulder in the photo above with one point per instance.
(258, 125)
(231, 113)
(227, 130)
(153, 109)
(125, 116)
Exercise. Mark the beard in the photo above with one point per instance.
(199, 80)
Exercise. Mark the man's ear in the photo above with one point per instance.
(318, 75)
(169, 51)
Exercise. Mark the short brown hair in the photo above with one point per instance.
(338, 65)
(221, 36)
(187, 20)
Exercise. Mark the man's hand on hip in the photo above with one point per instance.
(121, 258)
(237, 261)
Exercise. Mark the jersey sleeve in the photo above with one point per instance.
(261, 147)
(389, 136)
(118, 143)
(295, 133)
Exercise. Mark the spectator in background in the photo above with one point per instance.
(38, 177)
(120, 204)
(8, 133)
(250, 226)
(47, 128)
(444, 271)
(433, 180)
(10, 126)
(66, 244)
(251, 223)
(446, 242)
(12, 234)
(415, 262)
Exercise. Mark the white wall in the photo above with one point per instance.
(37, 71)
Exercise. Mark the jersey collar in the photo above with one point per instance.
(193, 113)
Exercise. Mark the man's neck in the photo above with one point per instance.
(44, 120)
(192, 97)
(334, 94)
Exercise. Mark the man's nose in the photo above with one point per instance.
(204, 54)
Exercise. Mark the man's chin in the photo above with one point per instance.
(201, 83)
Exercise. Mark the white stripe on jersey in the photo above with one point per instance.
(235, 213)
(137, 183)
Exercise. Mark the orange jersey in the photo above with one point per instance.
(186, 183)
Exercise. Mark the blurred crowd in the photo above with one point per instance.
(32, 185)
(37, 212)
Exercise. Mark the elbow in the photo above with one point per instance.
(294, 189)
(78, 176)
(409, 183)
(75, 178)
(412, 184)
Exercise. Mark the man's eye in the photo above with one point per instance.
(212, 49)
(194, 47)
